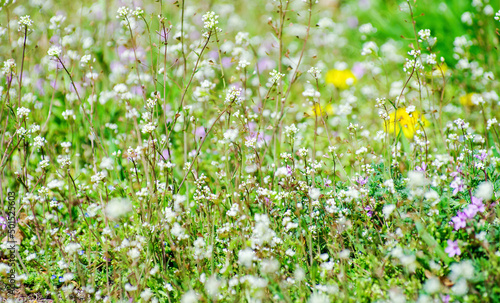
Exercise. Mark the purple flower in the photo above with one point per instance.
(369, 210)
(200, 133)
(478, 202)
(251, 126)
(445, 299)
(78, 86)
(166, 154)
(352, 22)
(361, 180)
(265, 64)
(456, 173)
(226, 62)
(459, 221)
(423, 167)
(482, 156)
(457, 185)
(358, 70)
(3, 222)
(194, 35)
(136, 90)
(470, 211)
(328, 182)
(452, 249)
(214, 55)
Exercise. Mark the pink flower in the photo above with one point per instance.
(470, 211)
(457, 185)
(459, 220)
(199, 133)
(478, 203)
(452, 249)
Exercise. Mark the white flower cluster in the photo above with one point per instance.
(369, 48)
(311, 93)
(233, 95)
(315, 72)
(138, 12)
(291, 131)
(56, 21)
(210, 20)
(39, 142)
(54, 51)
(9, 66)
(242, 38)
(148, 128)
(123, 12)
(22, 112)
(275, 77)
(85, 59)
(231, 134)
(69, 113)
(24, 22)
(202, 93)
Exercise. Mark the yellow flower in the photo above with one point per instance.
(341, 79)
(438, 72)
(408, 123)
(318, 110)
(466, 100)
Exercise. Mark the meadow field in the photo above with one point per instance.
(250, 151)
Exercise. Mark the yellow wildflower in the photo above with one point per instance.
(466, 100)
(438, 72)
(341, 79)
(319, 110)
(406, 122)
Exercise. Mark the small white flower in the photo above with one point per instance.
(69, 113)
(130, 287)
(242, 38)
(25, 21)
(4, 268)
(72, 248)
(212, 286)
(245, 257)
(118, 207)
(148, 128)
(291, 131)
(54, 51)
(22, 112)
(123, 12)
(424, 34)
(138, 12)
(484, 191)
(210, 20)
(39, 142)
(56, 21)
(314, 193)
(189, 297)
(9, 66)
(369, 47)
(388, 209)
(275, 77)
(311, 93)
(319, 297)
(233, 95)
(417, 179)
(231, 134)
(134, 253)
(315, 72)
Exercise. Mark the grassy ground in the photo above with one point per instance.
(250, 151)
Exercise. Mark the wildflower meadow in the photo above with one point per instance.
(250, 151)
